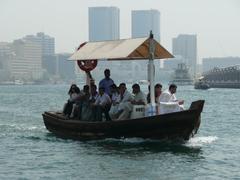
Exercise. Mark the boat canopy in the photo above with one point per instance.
(124, 49)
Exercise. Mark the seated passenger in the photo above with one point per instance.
(114, 98)
(124, 106)
(158, 91)
(169, 102)
(74, 93)
(101, 105)
(139, 96)
(82, 104)
(94, 93)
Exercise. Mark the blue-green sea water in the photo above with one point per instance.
(29, 151)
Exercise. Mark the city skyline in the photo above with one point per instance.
(213, 22)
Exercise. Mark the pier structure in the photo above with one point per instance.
(228, 77)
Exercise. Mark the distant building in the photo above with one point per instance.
(143, 21)
(185, 45)
(103, 23)
(27, 62)
(172, 63)
(6, 57)
(48, 51)
(220, 62)
(49, 63)
(65, 68)
(47, 43)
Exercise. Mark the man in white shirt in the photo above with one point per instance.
(169, 102)
(101, 105)
(139, 96)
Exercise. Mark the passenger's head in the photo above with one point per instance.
(158, 89)
(92, 82)
(71, 89)
(76, 90)
(107, 73)
(122, 88)
(172, 88)
(101, 90)
(113, 88)
(86, 89)
(93, 88)
(135, 88)
(73, 86)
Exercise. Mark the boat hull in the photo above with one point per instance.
(178, 125)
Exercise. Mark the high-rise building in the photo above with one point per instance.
(48, 51)
(103, 23)
(185, 45)
(27, 62)
(47, 43)
(143, 21)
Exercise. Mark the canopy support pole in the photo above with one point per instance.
(151, 69)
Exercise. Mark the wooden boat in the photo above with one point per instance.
(183, 125)
(175, 125)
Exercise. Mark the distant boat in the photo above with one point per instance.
(201, 84)
(181, 75)
(18, 82)
(143, 81)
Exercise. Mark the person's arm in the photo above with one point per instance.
(106, 100)
(181, 102)
(101, 83)
(97, 101)
(140, 102)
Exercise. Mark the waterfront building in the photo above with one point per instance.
(48, 52)
(27, 61)
(219, 62)
(47, 43)
(185, 45)
(49, 63)
(65, 68)
(172, 64)
(5, 59)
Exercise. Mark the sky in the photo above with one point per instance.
(215, 22)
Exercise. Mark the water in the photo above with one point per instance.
(29, 151)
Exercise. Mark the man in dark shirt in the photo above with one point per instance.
(106, 82)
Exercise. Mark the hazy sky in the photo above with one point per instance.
(216, 22)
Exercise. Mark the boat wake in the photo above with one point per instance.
(201, 141)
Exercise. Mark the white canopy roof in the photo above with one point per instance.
(125, 49)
